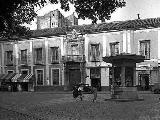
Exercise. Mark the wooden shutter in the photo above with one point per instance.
(89, 52)
(49, 54)
(100, 52)
(35, 55)
(43, 55)
(55, 76)
(59, 54)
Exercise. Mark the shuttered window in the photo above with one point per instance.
(95, 52)
(39, 77)
(55, 76)
(24, 56)
(114, 48)
(54, 54)
(9, 57)
(145, 48)
(38, 56)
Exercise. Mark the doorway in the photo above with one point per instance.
(96, 82)
(95, 75)
(144, 81)
(74, 77)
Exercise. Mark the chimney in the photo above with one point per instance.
(138, 16)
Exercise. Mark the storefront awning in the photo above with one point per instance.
(14, 79)
(23, 78)
(2, 77)
(28, 78)
(20, 79)
(9, 77)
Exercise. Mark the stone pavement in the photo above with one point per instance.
(62, 106)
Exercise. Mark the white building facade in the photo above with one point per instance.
(66, 59)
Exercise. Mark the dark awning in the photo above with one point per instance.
(123, 58)
(9, 77)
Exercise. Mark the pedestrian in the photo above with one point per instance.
(75, 91)
(94, 91)
(80, 89)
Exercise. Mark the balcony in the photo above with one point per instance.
(23, 62)
(9, 63)
(73, 58)
(39, 62)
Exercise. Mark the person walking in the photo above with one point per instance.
(94, 91)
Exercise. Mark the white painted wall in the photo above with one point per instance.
(104, 76)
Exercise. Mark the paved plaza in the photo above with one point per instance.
(62, 106)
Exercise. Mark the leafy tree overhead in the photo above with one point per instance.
(13, 13)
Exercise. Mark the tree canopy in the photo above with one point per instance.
(14, 13)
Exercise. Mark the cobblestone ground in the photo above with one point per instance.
(49, 106)
(6, 114)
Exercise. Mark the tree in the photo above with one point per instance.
(13, 13)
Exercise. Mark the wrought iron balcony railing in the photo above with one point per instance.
(73, 58)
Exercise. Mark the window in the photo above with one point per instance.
(9, 57)
(39, 77)
(114, 47)
(55, 76)
(54, 55)
(23, 56)
(145, 48)
(10, 71)
(38, 55)
(24, 71)
(74, 49)
(95, 52)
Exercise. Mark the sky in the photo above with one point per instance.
(146, 9)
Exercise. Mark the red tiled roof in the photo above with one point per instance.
(112, 26)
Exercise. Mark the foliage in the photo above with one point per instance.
(13, 13)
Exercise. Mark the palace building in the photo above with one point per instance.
(59, 58)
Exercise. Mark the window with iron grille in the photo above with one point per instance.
(38, 55)
(54, 55)
(9, 57)
(24, 56)
(55, 76)
(145, 48)
(95, 52)
(39, 77)
(114, 48)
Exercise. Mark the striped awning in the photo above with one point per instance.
(28, 78)
(9, 77)
(14, 79)
(20, 79)
(3, 76)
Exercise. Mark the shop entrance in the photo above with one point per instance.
(144, 81)
(74, 77)
(96, 82)
(95, 74)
